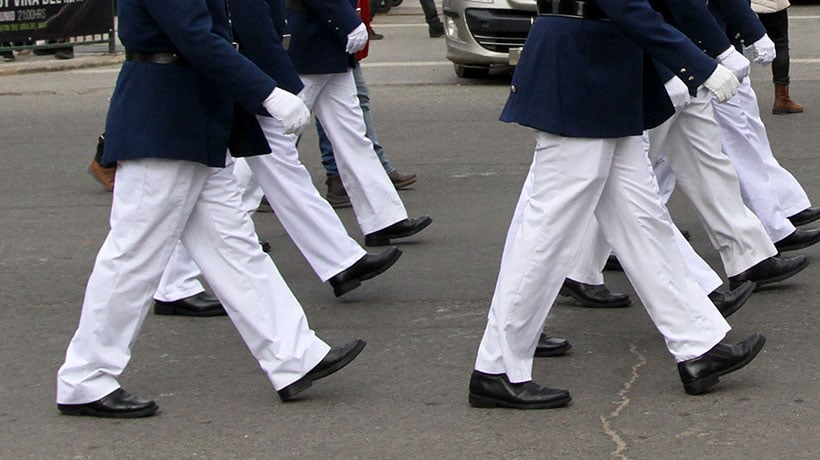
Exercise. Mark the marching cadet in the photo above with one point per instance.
(583, 60)
(168, 127)
(325, 35)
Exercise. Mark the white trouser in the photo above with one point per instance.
(181, 276)
(690, 140)
(595, 250)
(768, 189)
(307, 217)
(156, 204)
(332, 99)
(569, 181)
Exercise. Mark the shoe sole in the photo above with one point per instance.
(291, 391)
(483, 402)
(354, 283)
(702, 385)
(402, 184)
(71, 409)
(385, 240)
(777, 278)
(591, 303)
(553, 352)
(170, 310)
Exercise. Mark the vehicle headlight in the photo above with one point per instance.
(450, 28)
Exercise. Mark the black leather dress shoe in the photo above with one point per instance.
(731, 301)
(613, 264)
(551, 346)
(400, 229)
(799, 239)
(700, 374)
(770, 270)
(365, 268)
(594, 295)
(495, 390)
(805, 216)
(202, 304)
(334, 360)
(118, 404)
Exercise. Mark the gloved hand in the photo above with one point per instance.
(722, 83)
(678, 92)
(289, 109)
(736, 62)
(356, 39)
(763, 50)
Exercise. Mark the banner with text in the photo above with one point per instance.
(24, 20)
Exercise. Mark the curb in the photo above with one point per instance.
(55, 65)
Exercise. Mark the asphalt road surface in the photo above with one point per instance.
(406, 395)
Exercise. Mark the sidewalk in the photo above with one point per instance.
(95, 55)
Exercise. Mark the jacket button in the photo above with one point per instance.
(691, 78)
(513, 88)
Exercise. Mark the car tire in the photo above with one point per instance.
(471, 71)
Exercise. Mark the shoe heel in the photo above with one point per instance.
(163, 309)
(481, 401)
(701, 386)
(343, 289)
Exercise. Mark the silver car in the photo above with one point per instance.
(482, 34)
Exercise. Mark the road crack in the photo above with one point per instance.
(606, 420)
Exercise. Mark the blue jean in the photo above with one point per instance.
(326, 147)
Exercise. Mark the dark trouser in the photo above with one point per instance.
(777, 27)
(430, 13)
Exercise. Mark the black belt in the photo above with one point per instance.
(572, 8)
(161, 57)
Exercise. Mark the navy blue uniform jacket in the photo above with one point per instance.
(742, 25)
(594, 78)
(319, 35)
(179, 111)
(258, 27)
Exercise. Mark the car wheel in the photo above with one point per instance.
(471, 72)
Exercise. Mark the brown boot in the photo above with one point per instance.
(336, 193)
(783, 103)
(105, 176)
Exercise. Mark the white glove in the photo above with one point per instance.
(722, 83)
(678, 92)
(289, 109)
(356, 39)
(736, 62)
(763, 50)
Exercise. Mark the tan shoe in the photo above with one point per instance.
(105, 176)
(400, 180)
(336, 194)
(783, 103)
